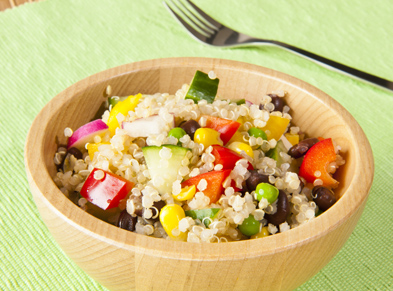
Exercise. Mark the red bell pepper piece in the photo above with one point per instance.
(317, 158)
(227, 157)
(225, 127)
(214, 180)
(107, 192)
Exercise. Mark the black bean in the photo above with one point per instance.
(244, 189)
(190, 127)
(282, 210)
(254, 179)
(76, 153)
(127, 221)
(300, 149)
(278, 102)
(323, 197)
(159, 205)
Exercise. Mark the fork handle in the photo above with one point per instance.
(357, 74)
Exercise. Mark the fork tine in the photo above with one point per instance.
(195, 17)
(190, 26)
(202, 16)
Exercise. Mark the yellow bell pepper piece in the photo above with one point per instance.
(186, 193)
(241, 120)
(263, 233)
(207, 137)
(241, 146)
(236, 137)
(122, 107)
(170, 216)
(93, 147)
(275, 127)
(292, 138)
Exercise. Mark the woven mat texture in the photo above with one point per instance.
(47, 46)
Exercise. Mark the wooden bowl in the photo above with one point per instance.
(123, 260)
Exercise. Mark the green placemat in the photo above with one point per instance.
(47, 46)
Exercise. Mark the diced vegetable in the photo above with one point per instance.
(257, 132)
(267, 191)
(122, 107)
(250, 226)
(214, 180)
(86, 133)
(170, 216)
(201, 214)
(93, 147)
(316, 161)
(236, 137)
(225, 127)
(275, 127)
(275, 153)
(263, 233)
(292, 138)
(286, 143)
(163, 163)
(112, 101)
(144, 127)
(226, 157)
(186, 193)
(202, 88)
(178, 133)
(241, 101)
(242, 147)
(105, 189)
(207, 137)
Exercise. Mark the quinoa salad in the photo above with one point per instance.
(197, 167)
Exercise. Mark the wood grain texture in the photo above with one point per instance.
(7, 4)
(122, 260)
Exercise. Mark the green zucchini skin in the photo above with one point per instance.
(202, 88)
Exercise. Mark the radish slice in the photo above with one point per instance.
(86, 133)
(143, 127)
(249, 103)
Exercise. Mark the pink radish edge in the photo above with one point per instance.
(86, 133)
(249, 103)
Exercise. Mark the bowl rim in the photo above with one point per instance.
(312, 230)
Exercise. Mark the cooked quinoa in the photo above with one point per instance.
(123, 156)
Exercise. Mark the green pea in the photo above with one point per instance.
(267, 191)
(256, 132)
(319, 212)
(250, 226)
(177, 132)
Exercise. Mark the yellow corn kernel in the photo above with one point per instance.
(275, 127)
(236, 137)
(292, 138)
(207, 137)
(241, 146)
(263, 233)
(170, 216)
(186, 193)
(93, 147)
(122, 107)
